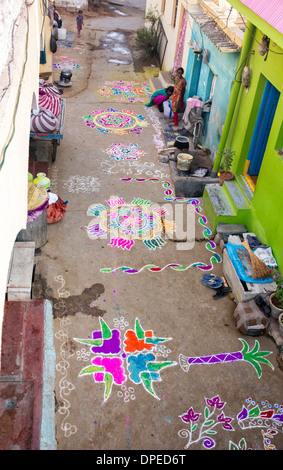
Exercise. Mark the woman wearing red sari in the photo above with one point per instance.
(178, 94)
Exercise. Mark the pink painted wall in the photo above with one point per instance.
(270, 11)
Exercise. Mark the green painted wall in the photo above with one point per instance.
(267, 204)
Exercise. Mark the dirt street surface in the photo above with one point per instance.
(130, 311)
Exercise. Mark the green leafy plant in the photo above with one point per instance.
(227, 158)
(278, 278)
(146, 39)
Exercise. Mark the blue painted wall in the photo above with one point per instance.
(199, 79)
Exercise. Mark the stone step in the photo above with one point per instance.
(162, 81)
(236, 196)
(165, 79)
(222, 205)
(246, 189)
(21, 271)
(155, 83)
(217, 206)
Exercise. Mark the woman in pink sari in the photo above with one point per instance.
(178, 94)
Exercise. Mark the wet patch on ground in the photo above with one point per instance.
(83, 303)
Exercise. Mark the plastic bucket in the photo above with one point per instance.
(184, 161)
(62, 33)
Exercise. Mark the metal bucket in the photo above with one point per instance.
(181, 142)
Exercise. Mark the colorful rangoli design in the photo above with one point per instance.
(70, 45)
(264, 415)
(202, 429)
(126, 91)
(255, 357)
(118, 359)
(124, 152)
(66, 63)
(210, 246)
(115, 121)
(125, 223)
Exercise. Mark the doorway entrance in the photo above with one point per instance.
(261, 132)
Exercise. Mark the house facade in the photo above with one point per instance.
(205, 39)
(24, 24)
(254, 131)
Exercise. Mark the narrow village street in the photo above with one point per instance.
(129, 307)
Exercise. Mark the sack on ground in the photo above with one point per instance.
(167, 109)
(49, 97)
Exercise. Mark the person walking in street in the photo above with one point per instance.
(80, 22)
(178, 95)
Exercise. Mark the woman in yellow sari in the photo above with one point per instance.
(178, 94)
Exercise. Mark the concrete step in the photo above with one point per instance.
(236, 195)
(246, 189)
(21, 270)
(222, 205)
(228, 203)
(155, 83)
(162, 81)
(165, 79)
(217, 206)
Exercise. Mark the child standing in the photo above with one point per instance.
(80, 22)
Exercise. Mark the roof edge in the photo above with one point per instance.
(275, 35)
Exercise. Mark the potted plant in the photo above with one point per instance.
(280, 320)
(276, 299)
(227, 158)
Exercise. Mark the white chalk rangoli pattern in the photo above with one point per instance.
(82, 184)
(65, 385)
(133, 168)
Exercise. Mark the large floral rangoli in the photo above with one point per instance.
(115, 121)
(116, 359)
(128, 91)
(125, 223)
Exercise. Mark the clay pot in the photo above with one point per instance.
(225, 176)
(280, 321)
(275, 310)
(181, 142)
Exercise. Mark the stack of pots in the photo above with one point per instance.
(183, 159)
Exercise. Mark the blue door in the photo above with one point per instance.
(262, 127)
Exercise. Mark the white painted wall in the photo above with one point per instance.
(9, 11)
(171, 32)
(66, 3)
(22, 51)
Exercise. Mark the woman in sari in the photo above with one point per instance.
(178, 94)
(159, 96)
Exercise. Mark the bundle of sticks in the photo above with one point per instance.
(260, 269)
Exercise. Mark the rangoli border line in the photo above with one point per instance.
(65, 385)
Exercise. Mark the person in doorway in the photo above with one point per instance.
(178, 95)
(80, 22)
(159, 96)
